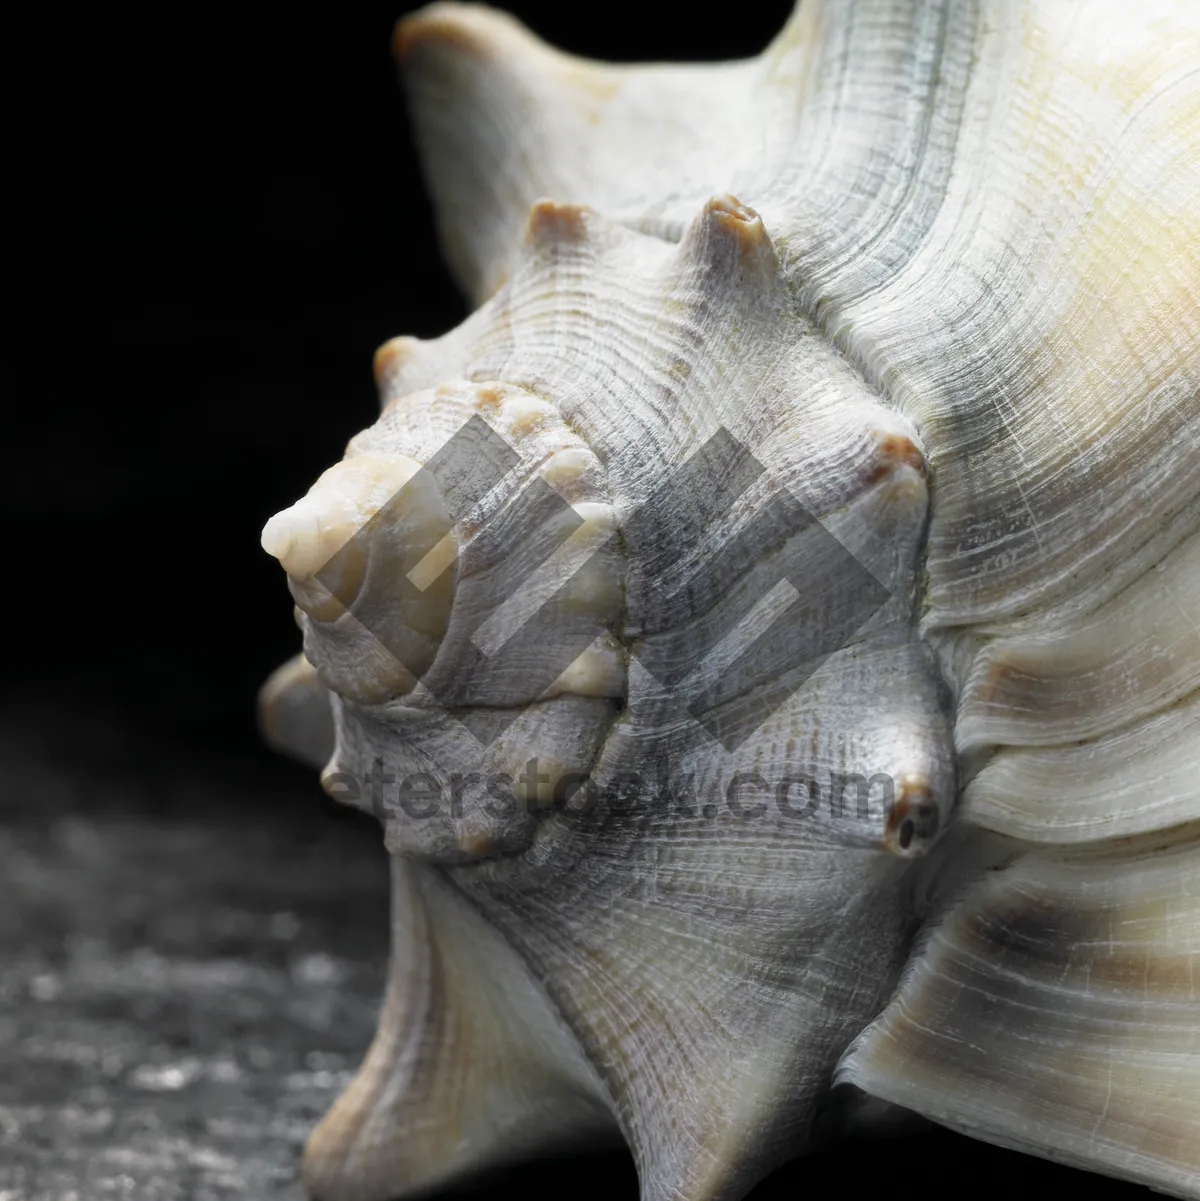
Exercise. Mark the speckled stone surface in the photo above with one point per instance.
(186, 984)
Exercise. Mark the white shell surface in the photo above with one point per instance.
(1056, 1009)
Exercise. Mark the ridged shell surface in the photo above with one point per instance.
(848, 396)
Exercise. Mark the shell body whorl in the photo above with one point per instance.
(767, 626)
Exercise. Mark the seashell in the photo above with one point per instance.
(767, 628)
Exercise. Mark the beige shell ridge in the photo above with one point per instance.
(767, 629)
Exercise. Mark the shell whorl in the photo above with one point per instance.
(922, 279)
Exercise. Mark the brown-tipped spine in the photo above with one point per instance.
(730, 236)
(453, 26)
(391, 359)
(551, 223)
(914, 819)
(893, 451)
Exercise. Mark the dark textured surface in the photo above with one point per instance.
(189, 976)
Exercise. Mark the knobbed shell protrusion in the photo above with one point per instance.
(370, 565)
(795, 682)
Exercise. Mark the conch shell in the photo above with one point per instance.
(768, 627)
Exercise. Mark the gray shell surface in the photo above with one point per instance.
(767, 627)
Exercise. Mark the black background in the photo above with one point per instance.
(220, 217)
(226, 218)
